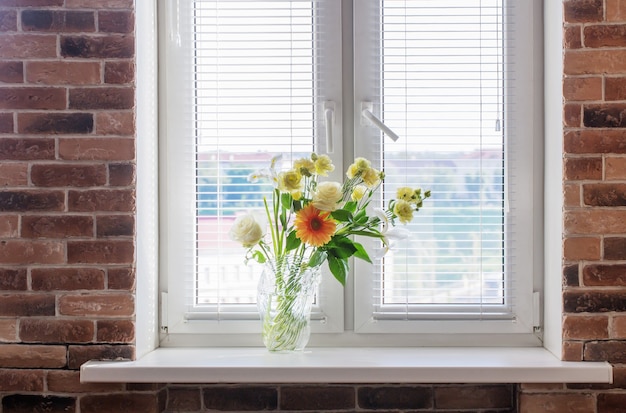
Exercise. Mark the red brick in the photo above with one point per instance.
(9, 226)
(75, 175)
(101, 305)
(615, 168)
(618, 330)
(594, 301)
(571, 195)
(115, 123)
(12, 72)
(109, 4)
(115, 331)
(595, 221)
(58, 21)
(28, 46)
(572, 115)
(590, 141)
(102, 98)
(615, 88)
(572, 37)
(594, 61)
(31, 252)
(6, 121)
(122, 200)
(27, 305)
(119, 72)
(572, 351)
(611, 402)
(557, 403)
(67, 279)
(28, 356)
(393, 397)
(613, 351)
(29, 403)
(78, 355)
(54, 123)
(474, 397)
(613, 35)
(121, 279)
(121, 174)
(13, 174)
(582, 248)
(100, 252)
(32, 98)
(119, 403)
(68, 381)
(615, 10)
(611, 195)
(32, 3)
(63, 73)
(184, 399)
(581, 11)
(56, 331)
(21, 380)
(582, 88)
(580, 327)
(571, 276)
(110, 149)
(26, 149)
(8, 330)
(265, 398)
(583, 168)
(604, 275)
(19, 201)
(105, 47)
(116, 21)
(8, 21)
(115, 226)
(13, 279)
(56, 226)
(615, 248)
(605, 116)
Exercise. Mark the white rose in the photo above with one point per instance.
(247, 230)
(327, 195)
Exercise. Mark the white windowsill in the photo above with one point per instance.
(348, 365)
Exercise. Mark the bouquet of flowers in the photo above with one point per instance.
(314, 221)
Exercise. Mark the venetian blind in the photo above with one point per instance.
(445, 87)
(260, 75)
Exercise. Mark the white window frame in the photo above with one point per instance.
(431, 332)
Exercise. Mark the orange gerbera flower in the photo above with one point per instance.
(314, 227)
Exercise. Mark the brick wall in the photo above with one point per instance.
(67, 179)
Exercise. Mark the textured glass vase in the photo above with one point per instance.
(286, 291)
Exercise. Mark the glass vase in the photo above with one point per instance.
(286, 291)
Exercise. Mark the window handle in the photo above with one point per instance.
(329, 122)
(366, 112)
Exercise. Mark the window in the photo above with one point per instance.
(244, 80)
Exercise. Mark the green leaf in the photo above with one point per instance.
(361, 253)
(293, 242)
(350, 206)
(317, 258)
(285, 200)
(339, 268)
(258, 257)
(342, 215)
(341, 247)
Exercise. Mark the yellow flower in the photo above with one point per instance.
(304, 166)
(358, 168)
(358, 192)
(371, 177)
(327, 195)
(290, 181)
(323, 165)
(313, 226)
(406, 194)
(403, 210)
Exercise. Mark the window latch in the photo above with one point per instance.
(329, 122)
(366, 113)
